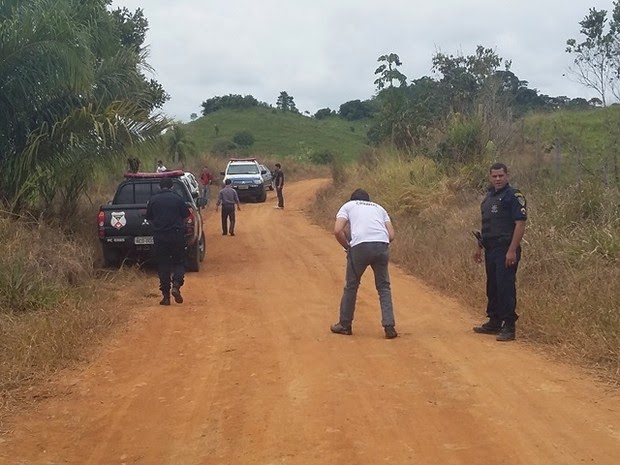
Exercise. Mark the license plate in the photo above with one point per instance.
(143, 240)
(243, 186)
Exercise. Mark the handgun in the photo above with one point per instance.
(478, 237)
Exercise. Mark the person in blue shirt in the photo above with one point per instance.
(504, 213)
(166, 211)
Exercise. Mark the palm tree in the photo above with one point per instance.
(72, 96)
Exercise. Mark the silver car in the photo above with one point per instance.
(267, 177)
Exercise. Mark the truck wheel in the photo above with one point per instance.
(262, 197)
(192, 262)
(202, 246)
(110, 257)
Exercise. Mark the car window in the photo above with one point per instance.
(243, 169)
(141, 192)
(133, 193)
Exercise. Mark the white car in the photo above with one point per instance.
(246, 176)
(267, 177)
(192, 184)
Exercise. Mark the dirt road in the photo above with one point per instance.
(247, 372)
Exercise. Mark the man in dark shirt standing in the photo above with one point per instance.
(278, 179)
(504, 214)
(228, 198)
(167, 212)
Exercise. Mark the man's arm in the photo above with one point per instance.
(340, 232)
(390, 229)
(517, 235)
(149, 211)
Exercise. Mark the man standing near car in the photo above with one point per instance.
(206, 178)
(167, 212)
(228, 198)
(278, 179)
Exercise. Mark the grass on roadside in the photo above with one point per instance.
(568, 278)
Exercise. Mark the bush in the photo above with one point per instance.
(322, 157)
(224, 147)
(243, 139)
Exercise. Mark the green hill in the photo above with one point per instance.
(280, 134)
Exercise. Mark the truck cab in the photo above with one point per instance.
(124, 232)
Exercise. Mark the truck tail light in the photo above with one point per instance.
(101, 221)
(190, 222)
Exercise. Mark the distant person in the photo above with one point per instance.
(206, 178)
(504, 214)
(278, 180)
(228, 198)
(160, 167)
(217, 130)
(367, 244)
(167, 212)
(133, 164)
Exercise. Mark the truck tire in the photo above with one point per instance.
(192, 262)
(202, 246)
(262, 197)
(110, 257)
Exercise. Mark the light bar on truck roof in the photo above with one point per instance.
(242, 159)
(164, 174)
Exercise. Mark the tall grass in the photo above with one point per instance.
(50, 304)
(568, 279)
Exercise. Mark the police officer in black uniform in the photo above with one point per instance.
(167, 212)
(504, 214)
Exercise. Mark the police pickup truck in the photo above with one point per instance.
(124, 232)
(247, 178)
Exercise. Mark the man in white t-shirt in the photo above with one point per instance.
(367, 244)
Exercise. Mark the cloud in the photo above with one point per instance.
(324, 52)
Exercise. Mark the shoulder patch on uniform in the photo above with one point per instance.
(520, 198)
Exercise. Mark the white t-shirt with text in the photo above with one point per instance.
(367, 221)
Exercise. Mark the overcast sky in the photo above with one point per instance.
(324, 52)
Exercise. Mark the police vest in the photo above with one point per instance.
(498, 222)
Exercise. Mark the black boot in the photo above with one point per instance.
(493, 326)
(507, 333)
(340, 328)
(176, 293)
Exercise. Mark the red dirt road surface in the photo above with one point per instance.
(246, 371)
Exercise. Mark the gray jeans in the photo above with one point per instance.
(377, 256)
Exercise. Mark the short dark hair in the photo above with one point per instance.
(499, 166)
(360, 194)
(278, 165)
(228, 181)
(166, 183)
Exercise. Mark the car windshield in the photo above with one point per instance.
(243, 169)
(141, 192)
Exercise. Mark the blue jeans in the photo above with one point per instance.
(501, 285)
(377, 256)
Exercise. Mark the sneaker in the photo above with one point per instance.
(232, 234)
(339, 328)
(490, 327)
(165, 300)
(224, 234)
(176, 293)
(390, 332)
(507, 333)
